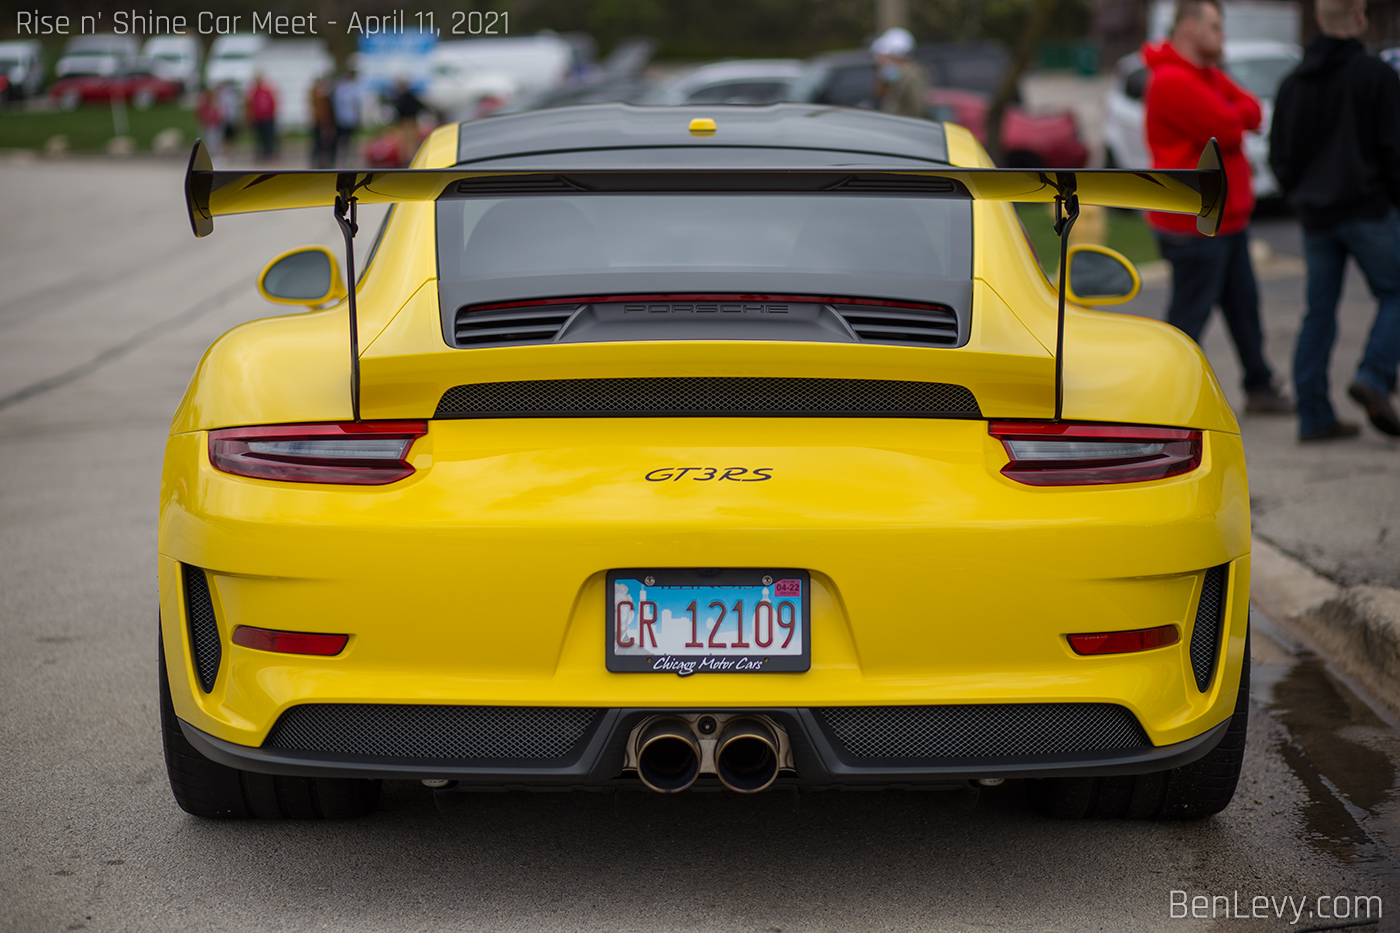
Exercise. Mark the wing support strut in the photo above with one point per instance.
(1066, 213)
(347, 216)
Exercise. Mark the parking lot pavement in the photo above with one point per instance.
(92, 840)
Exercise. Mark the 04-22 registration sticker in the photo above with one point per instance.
(708, 621)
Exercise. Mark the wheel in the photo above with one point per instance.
(208, 789)
(1191, 792)
(69, 101)
(143, 99)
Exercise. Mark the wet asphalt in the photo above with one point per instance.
(107, 302)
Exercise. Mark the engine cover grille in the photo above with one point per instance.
(204, 627)
(501, 733)
(1205, 634)
(981, 730)
(708, 396)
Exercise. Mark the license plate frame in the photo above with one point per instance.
(724, 585)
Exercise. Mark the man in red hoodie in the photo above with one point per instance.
(1190, 100)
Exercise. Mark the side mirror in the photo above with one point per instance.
(1100, 276)
(307, 276)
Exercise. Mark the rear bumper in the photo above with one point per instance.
(818, 754)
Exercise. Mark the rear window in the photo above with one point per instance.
(782, 234)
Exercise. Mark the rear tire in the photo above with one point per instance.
(1191, 792)
(208, 789)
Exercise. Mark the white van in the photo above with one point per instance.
(102, 54)
(231, 59)
(174, 58)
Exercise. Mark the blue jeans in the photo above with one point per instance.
(1376, 246)
(1207, 271)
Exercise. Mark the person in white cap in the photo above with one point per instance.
(902, 82)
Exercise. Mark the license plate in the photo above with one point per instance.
(725, 621)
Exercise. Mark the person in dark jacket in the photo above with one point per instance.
(1335, 149)
(1189, 101)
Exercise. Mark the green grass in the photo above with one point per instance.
(88, 128)
(1126, 232)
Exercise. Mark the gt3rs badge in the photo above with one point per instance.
(706, 474)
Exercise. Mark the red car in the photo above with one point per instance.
(139, 88)
(1029, 140)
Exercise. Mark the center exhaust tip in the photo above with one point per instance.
(668, 756)
(747, 756)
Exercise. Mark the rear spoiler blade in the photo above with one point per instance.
(1199, 191)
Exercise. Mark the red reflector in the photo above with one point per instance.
(1118, 642)
(265, 639)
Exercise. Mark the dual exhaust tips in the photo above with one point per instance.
(671, 752)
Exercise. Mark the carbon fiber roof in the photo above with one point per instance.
(775, 136)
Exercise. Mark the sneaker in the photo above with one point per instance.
(1268, 402)
(1334, 431)
(1378, 408)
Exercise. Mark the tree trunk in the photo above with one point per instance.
(1039, 21)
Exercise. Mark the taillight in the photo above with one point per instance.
(1044, 454)
(266, 639)
(1143, 639)
(366, 453)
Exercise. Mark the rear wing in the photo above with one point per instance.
(210, 194)
(1199, 191)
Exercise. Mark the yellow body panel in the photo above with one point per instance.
(479, 579)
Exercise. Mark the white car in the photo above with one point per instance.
(231, 59)
(1258, 65)
(457, 88)
(759, 81)
(174, 58)
(22, 65)
(105, 54)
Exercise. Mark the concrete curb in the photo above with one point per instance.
(1356, 627)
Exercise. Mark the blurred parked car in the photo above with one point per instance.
(231, 59)
(618, 80)
(758, 81)
(136, 85)
(21, 69)
(1258, 65)
(847, 79)
(103, 54)
(175, 58)
(460, 89)
(1029, 140)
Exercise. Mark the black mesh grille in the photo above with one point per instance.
(1205, 634)
(204, 628)
(513, 733)
(708, 396)
(982, 730)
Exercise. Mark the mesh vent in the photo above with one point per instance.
(1205, 634)
(982, 730)
(708, 396)
(504, 733)
(204, 628)
(936, 327)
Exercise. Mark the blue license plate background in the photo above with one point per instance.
(718, 621)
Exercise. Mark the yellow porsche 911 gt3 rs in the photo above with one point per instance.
(664, 452)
